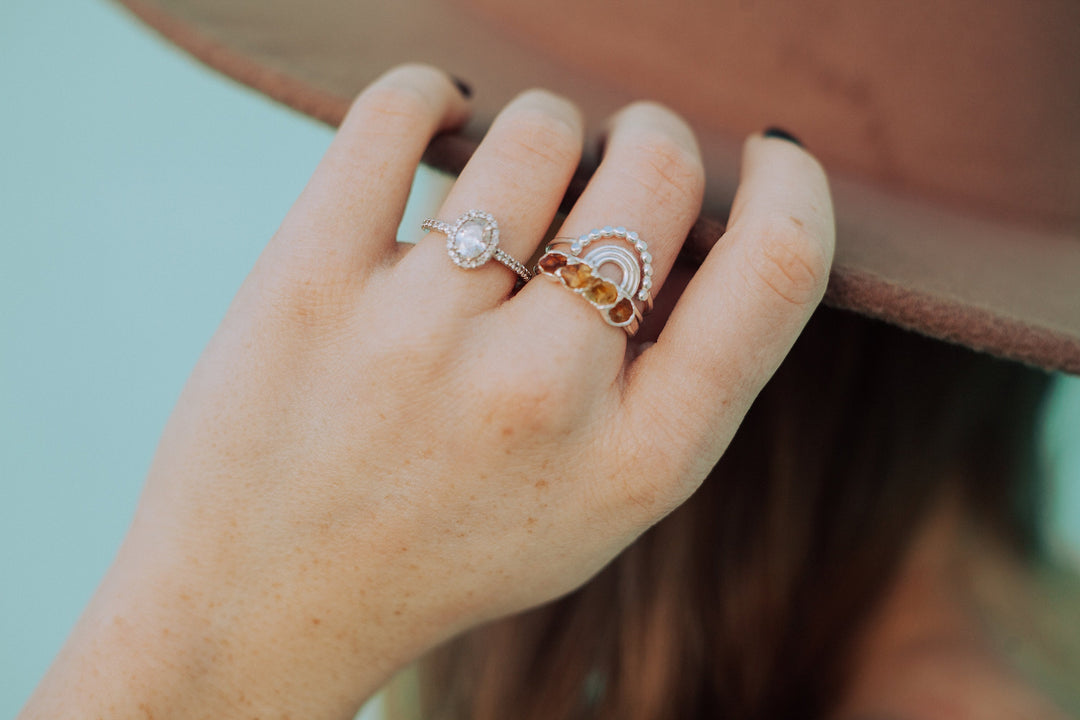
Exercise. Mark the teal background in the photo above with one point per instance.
(136, 189)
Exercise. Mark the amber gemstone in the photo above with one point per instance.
(576, 275)
(601, 292)
(622, 312)
(552, 262)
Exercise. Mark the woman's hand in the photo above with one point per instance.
(379, 449)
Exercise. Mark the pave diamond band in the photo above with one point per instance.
(473, 239)
(521, 270)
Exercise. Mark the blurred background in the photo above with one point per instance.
(136, 190)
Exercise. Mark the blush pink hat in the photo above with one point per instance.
(950, 129)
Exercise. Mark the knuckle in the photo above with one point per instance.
(390, 106)
(310, 299)
(513, 402)
(414, 72)
(533, 133)
(786, 260)
(635, 489)
(639, 498)
(551, 102)
(670, 448)
(413, 354)
(666, 168)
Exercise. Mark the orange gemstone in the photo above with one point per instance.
(552, 262)
(576, 275)
(601, 292)
(622, 312)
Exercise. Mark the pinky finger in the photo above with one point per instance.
(738, 317)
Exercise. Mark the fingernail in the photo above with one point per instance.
(462, 86)
(775, 132)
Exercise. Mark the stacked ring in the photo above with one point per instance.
(580, 273)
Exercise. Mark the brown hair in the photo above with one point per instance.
(744, 603)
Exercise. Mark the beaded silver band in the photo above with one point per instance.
(473, 239)
(577, 245)
(579, 270)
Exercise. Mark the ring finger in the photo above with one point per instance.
(518, 174)
(651, 181)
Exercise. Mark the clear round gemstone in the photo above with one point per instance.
(620, 232)
(607, 231)
(470, 241)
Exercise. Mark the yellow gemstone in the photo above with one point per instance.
(622, 312)
(601, 292)
(552, 262)
(575, 275)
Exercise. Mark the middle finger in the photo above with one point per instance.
(651, 180)
(518, 174)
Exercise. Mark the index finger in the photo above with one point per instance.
(351, 207)
(739, 315)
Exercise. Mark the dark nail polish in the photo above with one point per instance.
(462, 86)
(775, 132)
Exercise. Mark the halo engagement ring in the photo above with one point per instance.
(473, 239)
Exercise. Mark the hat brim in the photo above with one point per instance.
(1007, 289)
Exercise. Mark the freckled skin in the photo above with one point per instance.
(351, 475)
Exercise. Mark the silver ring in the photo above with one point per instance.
(616, 307)
(579, 270)
(642, 285)
(473, 239)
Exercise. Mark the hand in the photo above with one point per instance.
(379, 449)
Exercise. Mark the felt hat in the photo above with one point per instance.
(950, 128)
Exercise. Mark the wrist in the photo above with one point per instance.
(171, 640)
